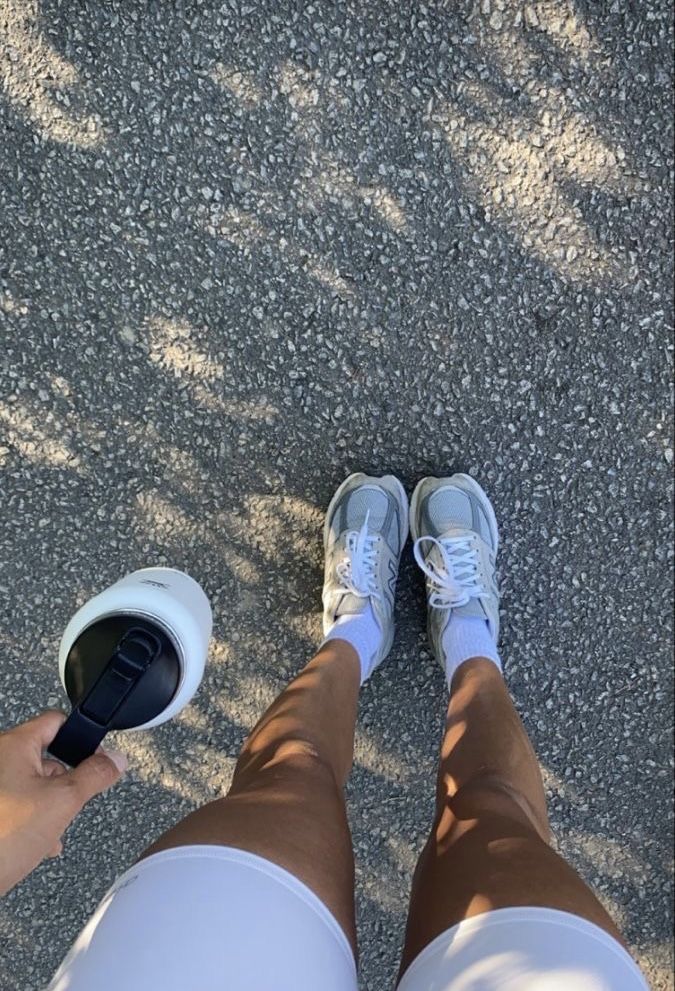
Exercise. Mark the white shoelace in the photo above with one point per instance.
(454, 581)
(356, 570)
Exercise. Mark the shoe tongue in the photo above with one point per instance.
(454, 531)
(473, 608)
(435, 554)
(350, 605)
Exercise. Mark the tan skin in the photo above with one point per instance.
(489, 843)
(286, 801)
(39, 797)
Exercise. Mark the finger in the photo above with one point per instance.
(56, 850)
(53, 769)
(96, 774)
(42, 729)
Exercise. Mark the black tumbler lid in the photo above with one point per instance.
(92, 651)
(121, 672)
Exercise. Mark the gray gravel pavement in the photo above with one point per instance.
(247, 247)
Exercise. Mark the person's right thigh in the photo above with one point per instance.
(497, 862)
(524, 949)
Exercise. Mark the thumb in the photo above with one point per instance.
(96, 773)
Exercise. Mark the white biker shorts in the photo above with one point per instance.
(212, 918)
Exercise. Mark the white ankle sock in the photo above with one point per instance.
(465, 637)
(362, 632)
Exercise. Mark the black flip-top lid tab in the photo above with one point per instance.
(121, 672)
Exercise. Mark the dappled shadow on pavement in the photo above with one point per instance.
(247, 248)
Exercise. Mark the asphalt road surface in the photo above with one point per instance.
(248, 247)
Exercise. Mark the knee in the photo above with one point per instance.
(488, 799)
(288, 755)
(294, 752)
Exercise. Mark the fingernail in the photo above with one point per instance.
(118, 758)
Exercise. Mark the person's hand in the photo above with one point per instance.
(39, 796)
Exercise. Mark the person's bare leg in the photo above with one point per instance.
(286, 801)
(489, 844)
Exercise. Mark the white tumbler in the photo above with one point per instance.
(131, 657)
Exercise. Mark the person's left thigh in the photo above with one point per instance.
(293, 815)
(212, 918)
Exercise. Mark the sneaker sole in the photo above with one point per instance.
(469, 483)
(369, 479)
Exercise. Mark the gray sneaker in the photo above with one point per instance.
(455, 531)
(365, 530)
